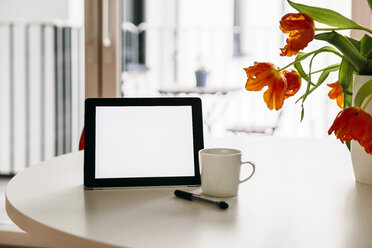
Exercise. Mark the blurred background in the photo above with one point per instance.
(163, 44)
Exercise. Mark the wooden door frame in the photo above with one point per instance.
(102, 48)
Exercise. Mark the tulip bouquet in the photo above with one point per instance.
(352, 122)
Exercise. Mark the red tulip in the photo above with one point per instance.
(300, 28)
(353, 124)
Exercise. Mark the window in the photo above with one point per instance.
(184, 35)
(133, 37)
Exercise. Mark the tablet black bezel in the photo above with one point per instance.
(89, 143)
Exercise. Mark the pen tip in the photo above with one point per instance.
(223, 205)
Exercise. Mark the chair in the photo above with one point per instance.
(82, 138)
(250, 129)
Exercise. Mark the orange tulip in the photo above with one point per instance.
(353, 124)
(293, 81)
(336, 93)
(300, 28)
(281, 85)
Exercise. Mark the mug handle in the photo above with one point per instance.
(253, 170)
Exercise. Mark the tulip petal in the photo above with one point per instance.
(274, 95)
(353, 124)
(336, 93)
(260, 75)
(293, 82)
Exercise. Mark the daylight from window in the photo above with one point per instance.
(168, 41)
(166, 46)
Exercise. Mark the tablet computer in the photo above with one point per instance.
(132, 142)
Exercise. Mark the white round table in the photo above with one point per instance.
(302, 195)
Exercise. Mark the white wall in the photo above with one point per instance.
(41, 10)
(39, 145)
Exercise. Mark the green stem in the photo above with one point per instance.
(330, 29)
(365, 29)
(335, 29)
(321, 70)
(295, 61)
(285, 67)
(315, 72)
(366, 104)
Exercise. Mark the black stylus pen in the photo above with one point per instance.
(192, 197)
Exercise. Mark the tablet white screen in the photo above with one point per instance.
(144, 141)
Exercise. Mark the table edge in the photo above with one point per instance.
(49, 235)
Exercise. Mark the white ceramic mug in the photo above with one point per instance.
(220, 171)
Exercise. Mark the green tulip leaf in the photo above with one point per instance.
(345, 75)
(367, 69)
(307, 76)
(345, 79)
(301, 71)
(348, 145)
(356, 43)
(315, 53)
(326, 73)
(302, 112)
(302, 56)
(326, 16)
(366, 47)
(370, 4)
(321, 79)
(363, 93)
(346, 47)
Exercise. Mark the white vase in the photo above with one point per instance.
(362, 161)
